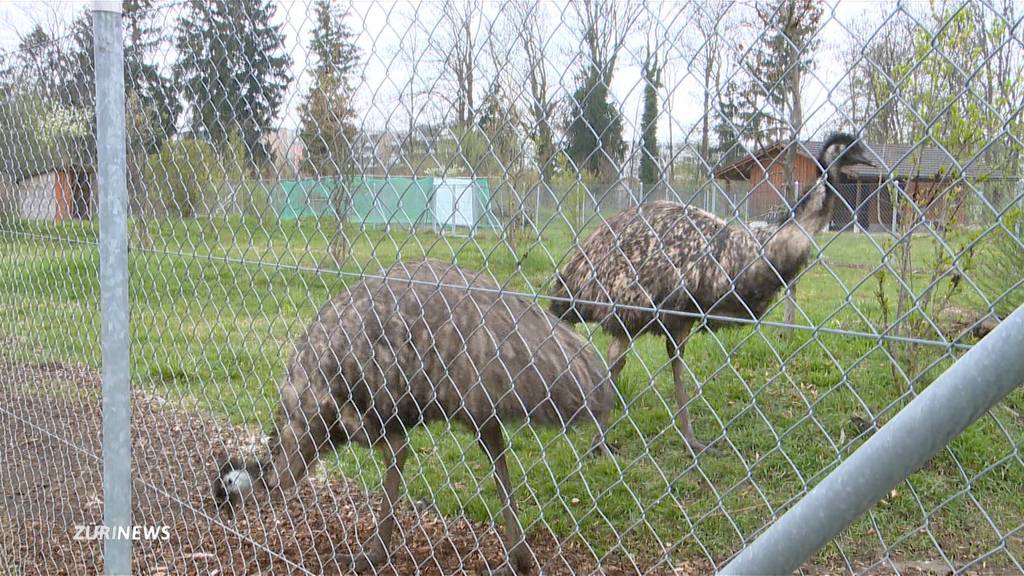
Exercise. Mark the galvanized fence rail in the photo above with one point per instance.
(242, 241)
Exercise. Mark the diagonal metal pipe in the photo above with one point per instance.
(979, 380)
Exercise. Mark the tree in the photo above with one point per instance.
(949, 77)
(709, 19)
(150, 106)
(232, 70)
(328, 118)
(875, 52)
(728, 124)
(779, 57)
(144, 79)
(650, 171)
(594, 127)
(532, 37)
(328, 128)
(453, 47)
(39, 62)
(495, 149)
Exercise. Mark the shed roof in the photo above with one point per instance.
(33, 159)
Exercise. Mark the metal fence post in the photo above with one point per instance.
(113, 208)
(961, 395)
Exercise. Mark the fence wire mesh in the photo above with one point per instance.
(564, 244)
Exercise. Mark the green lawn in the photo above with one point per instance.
(215, 305)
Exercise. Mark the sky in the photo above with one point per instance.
(382, 25)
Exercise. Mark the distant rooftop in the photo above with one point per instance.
(905, 161)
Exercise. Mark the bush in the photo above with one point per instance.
(999, 270)
(179, 175)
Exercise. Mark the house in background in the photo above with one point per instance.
(926, 174)
(55, 182)
(59, 193)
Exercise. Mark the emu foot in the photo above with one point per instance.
(360, 562)
(700, 448)
(602, 449)
(507, 569)
(518, 563)
(503, 571)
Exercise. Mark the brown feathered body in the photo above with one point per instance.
(432, 341)
(662, 266)
(426, 341)
(672, 257)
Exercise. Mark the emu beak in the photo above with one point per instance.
(859, 157)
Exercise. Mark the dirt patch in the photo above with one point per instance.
(50, 474)
(50, 481)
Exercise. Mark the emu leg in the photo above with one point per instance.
(600, 445)
(617, 355)
(519, 559)
(617, 359)
(675, 346)
(394, 450)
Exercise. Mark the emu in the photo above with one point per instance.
(427, 341)
(672, 258)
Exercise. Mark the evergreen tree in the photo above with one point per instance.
(779, 58)
(328, 119)
(232, 70)
(146, 86)
(650, 170)
(594, 129)
(728, 123)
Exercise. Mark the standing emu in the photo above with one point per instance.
(427, 342)
(676, 258)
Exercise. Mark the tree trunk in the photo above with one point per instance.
(705, 127)
(792, 188)
(339, 248)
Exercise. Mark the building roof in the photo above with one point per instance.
(903, 161)
(35, 159)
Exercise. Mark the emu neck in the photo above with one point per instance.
(787, 251)
(814, 211)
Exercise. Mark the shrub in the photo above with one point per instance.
(179, 175)
(999, 270)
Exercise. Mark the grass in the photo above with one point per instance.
(216, 304)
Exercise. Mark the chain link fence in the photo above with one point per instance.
(378, 252)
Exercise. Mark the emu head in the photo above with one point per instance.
(840, 153)
(234, 480)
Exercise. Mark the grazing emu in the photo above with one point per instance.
(427, 342)
(677, 258)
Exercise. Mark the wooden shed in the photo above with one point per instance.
(54, 180)
(57, 194)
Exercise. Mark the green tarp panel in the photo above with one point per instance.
(302, 198)
(396, 200)
(391, 201)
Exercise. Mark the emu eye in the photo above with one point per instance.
(230, 481)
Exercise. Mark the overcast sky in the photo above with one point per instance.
(388, 31)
